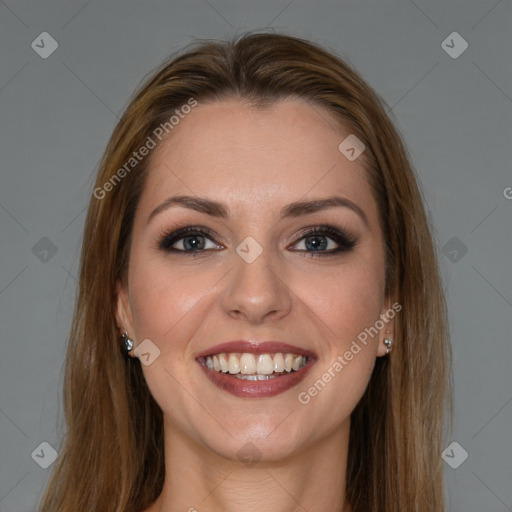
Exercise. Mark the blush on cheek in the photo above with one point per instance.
(354, 317)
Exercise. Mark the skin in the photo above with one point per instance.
(255, 161)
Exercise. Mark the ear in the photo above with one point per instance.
(124, 316)
(387, 316)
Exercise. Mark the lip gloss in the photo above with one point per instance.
(256, 388)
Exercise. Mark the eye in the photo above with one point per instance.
(324, 241)
(317, 241)
(189, 240)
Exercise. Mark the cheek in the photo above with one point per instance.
(348, 300)
(348, 307)
(162, 297)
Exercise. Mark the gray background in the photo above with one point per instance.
(455, 116)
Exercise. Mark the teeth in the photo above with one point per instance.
(247, 364)
(288, 361)
(260, 367)
(265, 365)
(223, 362)
(233, 364)
(254, 377)
(279, 363)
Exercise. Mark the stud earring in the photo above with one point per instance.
(126, 343)
(388, 342)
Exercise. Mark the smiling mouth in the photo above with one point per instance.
(247, 366)
(249, 375)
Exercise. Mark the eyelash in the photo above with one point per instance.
(345, 242)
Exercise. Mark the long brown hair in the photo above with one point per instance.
(112, 456)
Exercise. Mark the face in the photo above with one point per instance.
(236, 267)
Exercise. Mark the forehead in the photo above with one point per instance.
(260, 157)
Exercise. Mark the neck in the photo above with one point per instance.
(198, 480)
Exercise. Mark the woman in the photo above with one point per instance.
(258, 246)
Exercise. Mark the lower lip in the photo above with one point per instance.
(256, 388)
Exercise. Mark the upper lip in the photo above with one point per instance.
(256, 347)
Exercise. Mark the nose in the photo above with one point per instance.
(256, 292)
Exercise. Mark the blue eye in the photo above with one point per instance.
(325, 241)
(191, 239)
(317, 241)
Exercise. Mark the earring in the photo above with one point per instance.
(389, 343)
(126, 343)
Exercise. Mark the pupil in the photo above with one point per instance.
(316, 242)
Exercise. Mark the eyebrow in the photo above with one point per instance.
(292, 210)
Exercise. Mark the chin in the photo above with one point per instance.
(258, 439)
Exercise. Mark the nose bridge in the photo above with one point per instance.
(256, 290)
